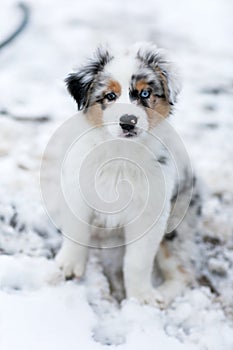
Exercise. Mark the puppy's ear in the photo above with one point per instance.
(78, 88)
(157, 60)
(170, 80)
(80, 84)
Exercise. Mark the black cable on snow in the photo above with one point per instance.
(24, 21)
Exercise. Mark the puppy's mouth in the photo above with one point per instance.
(129, 133)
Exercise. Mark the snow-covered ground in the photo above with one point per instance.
(38, 309)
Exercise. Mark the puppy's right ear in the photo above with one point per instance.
(80, 84)
(79, 88)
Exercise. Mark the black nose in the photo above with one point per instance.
(128, 122)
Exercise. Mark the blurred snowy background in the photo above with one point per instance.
(37, 308)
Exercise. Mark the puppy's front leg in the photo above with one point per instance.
(72, 256)
(139, 262)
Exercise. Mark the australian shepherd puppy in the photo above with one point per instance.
(132, 173)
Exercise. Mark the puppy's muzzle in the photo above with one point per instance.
(128, 122)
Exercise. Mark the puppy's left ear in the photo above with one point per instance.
(170, 80)
(157, 60)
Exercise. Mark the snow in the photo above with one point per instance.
(38, 309)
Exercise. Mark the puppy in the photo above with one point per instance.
(134, 173)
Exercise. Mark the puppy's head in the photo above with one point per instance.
(130, 92)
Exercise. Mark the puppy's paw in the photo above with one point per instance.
(150, 297)
(70, 264)
(171, 289)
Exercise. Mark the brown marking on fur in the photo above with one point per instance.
(114, 86)
(165, 250)
(182, 270)
(141, 85)
(162, 107)
(159, 110)
(94, 115)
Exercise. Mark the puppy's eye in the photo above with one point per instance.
(145, 94)
(111, 96)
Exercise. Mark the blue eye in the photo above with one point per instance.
(111, 96)
(145, 94)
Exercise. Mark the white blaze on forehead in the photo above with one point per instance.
(121, 68)
(115, 111)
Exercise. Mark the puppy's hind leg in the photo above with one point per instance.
(175, 266)
(178, 253)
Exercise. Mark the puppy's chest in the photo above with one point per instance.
(119, 178)
(127, 188)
